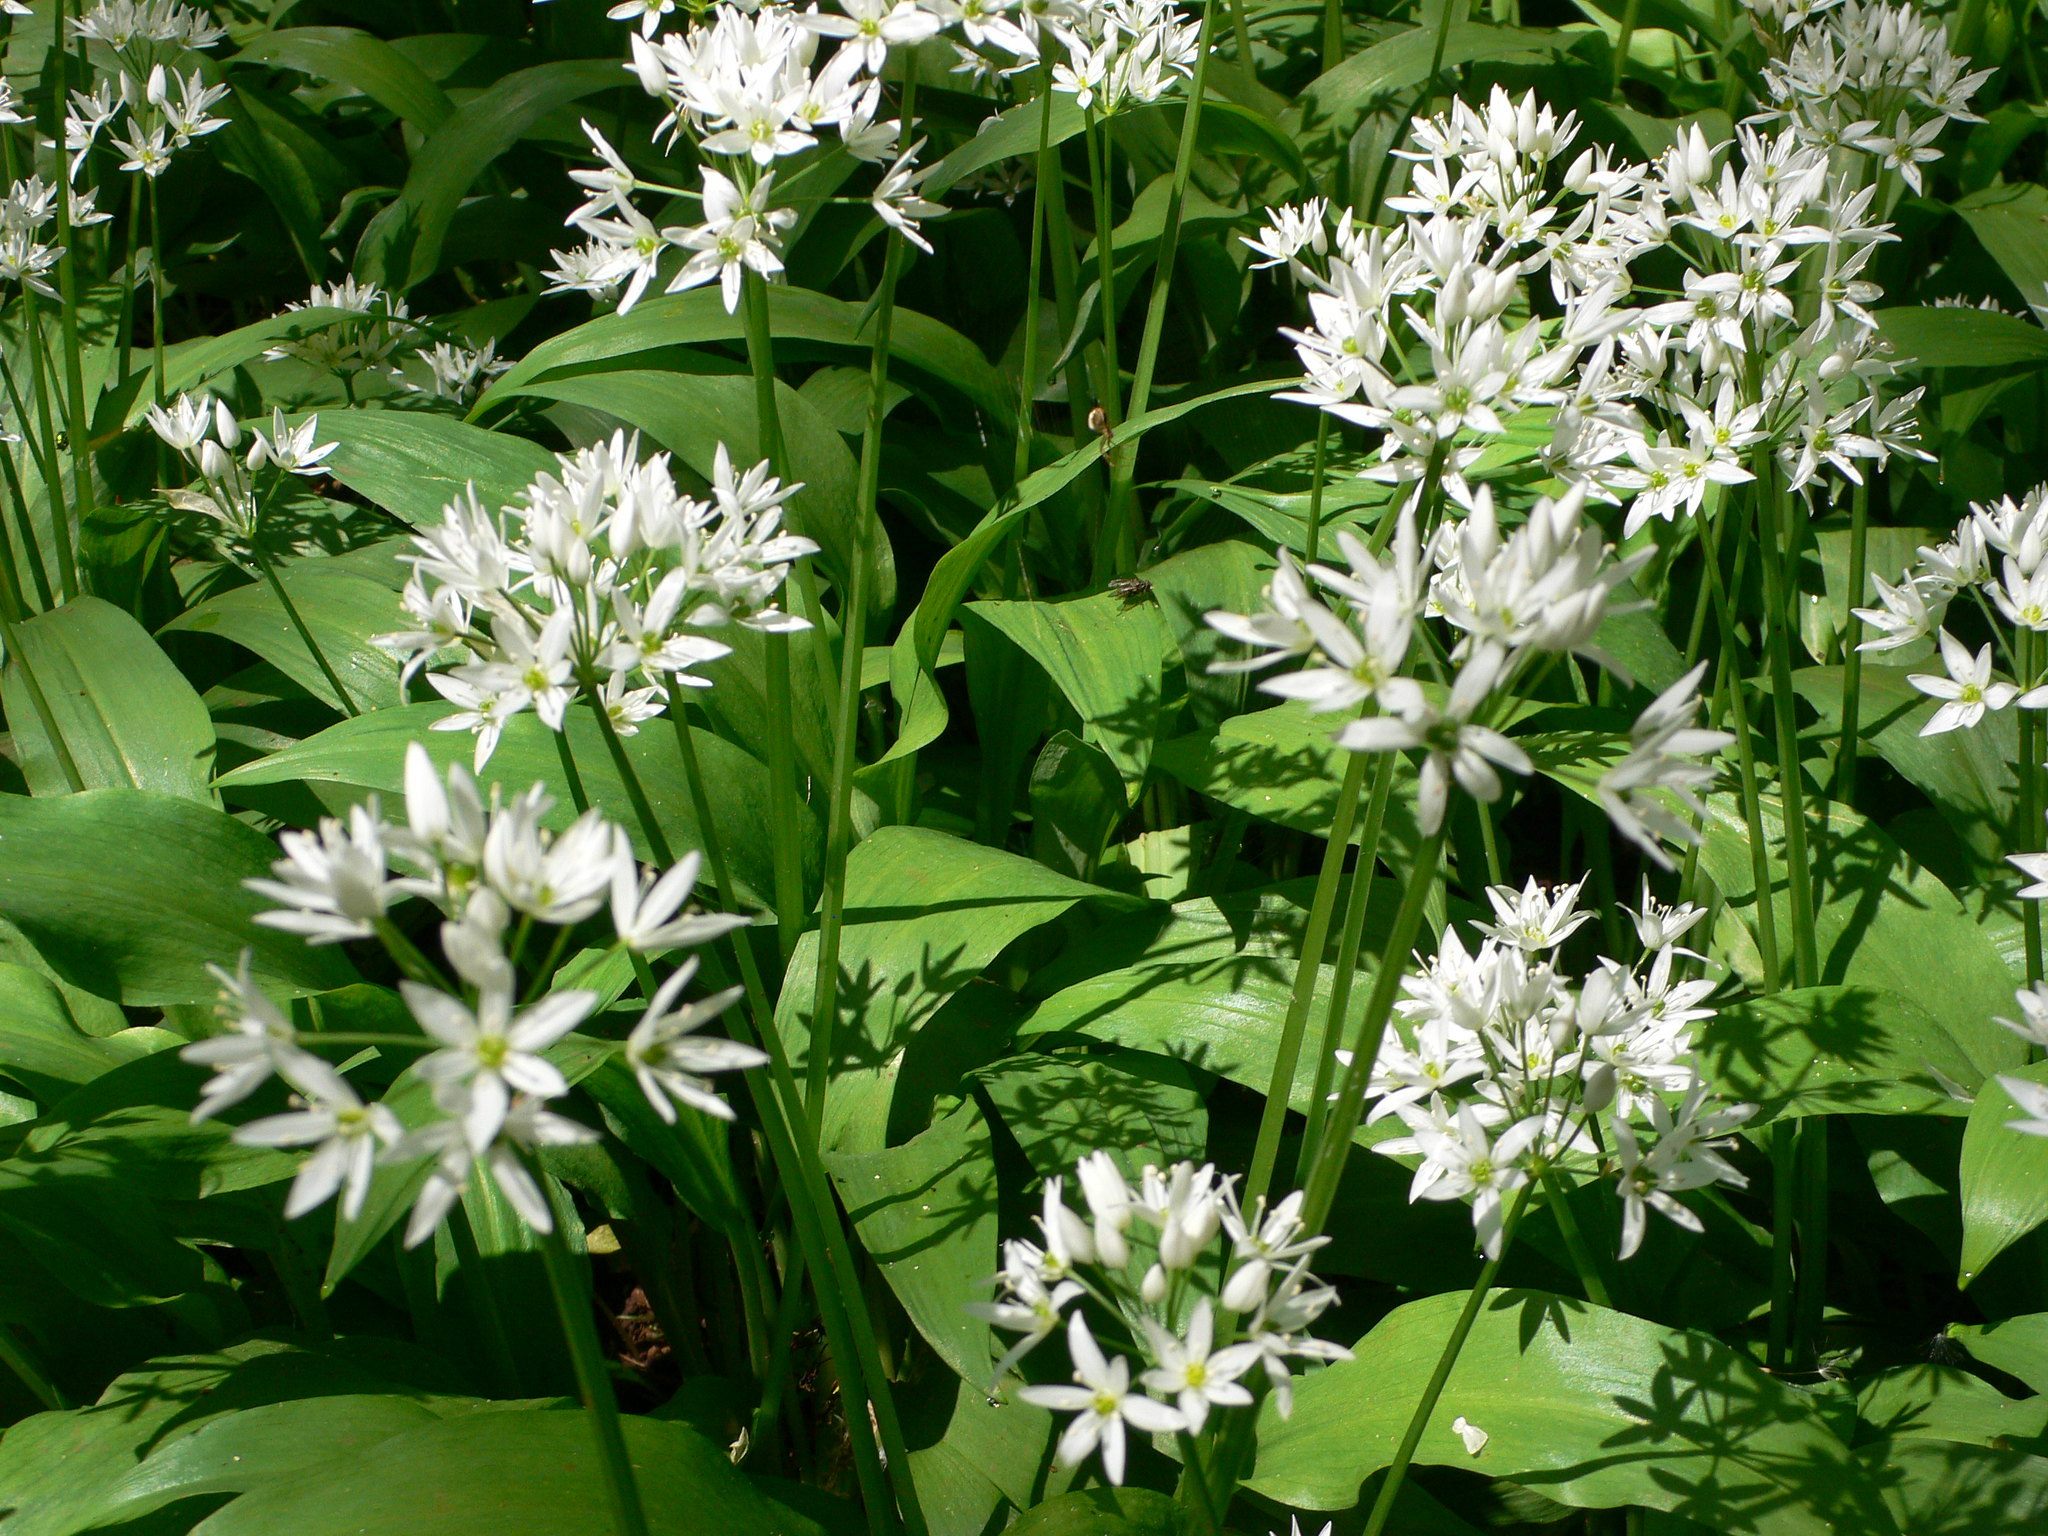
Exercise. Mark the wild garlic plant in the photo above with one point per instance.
(509, 891)
(1215, 1301)
(1511, 1072)
(603, 575)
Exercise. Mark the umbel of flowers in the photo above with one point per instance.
(505, 887)
(1212, 1299)
(600, 581)
(1506, 1068)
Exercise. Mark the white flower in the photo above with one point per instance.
(645, 907)
(1198, 1377)
(2032, 1025)
(1533, 920)
(898, 203)
(345, 1133)
(1473, 1437)
(1102, 1403)
(2032, 1101)
(259, 1043)
(1029, 1308)
(492, 1053)
(526, 1124)
(1968, 691)
(669, 1060)
(1264, 1244)
(332, 884)
(1458, 748)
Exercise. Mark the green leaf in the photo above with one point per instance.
(918, 344)
(2011, 222)
(2004, 1177)
(1006, 136)
(124, 712)
(1336, 99)
(413, 463)
(1101, 1512)
(1962, 338)
(357, 60)
(43, 1050)
(131, 895)
(2018, 1346)
(926, 1212)
(189, 364)
(1077, 799)
(1590, 1407)
(1141, 1109)
(402, 246)
(344, 610)
(367, 754)
(516, 1472)
(1945, 1402)
(1939, 1489)
(1835, 1051)
(925, 914)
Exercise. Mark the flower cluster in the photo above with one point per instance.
(1999, 555)
(376, 333)
(497, 874)
(1503, 1066)
(1118, 53)
(1877, 78)
(1649, 403)
(243, 476)
(1513, 600)
(144, 103)
(1150, 1257)
(603, 573)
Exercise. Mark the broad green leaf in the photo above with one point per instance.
(42, 1049)
(357, 60)
(402, 246)
(1592, 1408)
(1077, 799)
(2011, 222)
(1835, 1050)
(1968, 775)
(1336, 99)
(1102, 1512)
(2004, 1177)
(1935, 1488)
(1962, 338)
(917, 343)
(190, 364)
(367, 754)
(1881, 922)
(1207, 985)
(92, 1232)
(1008, 135)
(926, 1212)
(2018, 1346)
(925, 914)
(970, 1456)
(1141, 1109)
(1945, 1402)
(1108, 658)
(413, 463)
(342, 609)
(692, 414)
(125, 714)
(132, 895)
(518, 1472)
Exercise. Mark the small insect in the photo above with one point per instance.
(1098, 423)
(1132, 589)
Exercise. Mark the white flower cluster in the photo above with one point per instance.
(1502, 1066)
(242, 475)
(1514, 600)
(601, 573)
(1872, 77)
(1650, 403)
(25, 215)
(1998, 552)
(484, 865)
(1147, 1256)
(380, 333)
(1119, 53)
(145, 104)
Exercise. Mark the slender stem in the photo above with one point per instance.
(636, 792)
(1397, 1471)
(1852, 640)
(2030, 796)
(16, 1357)
(406, 955)
(67, 287)
(1557, 1199)
(845, 732)
(1123, 468)
(124, 329)
(1113, 549)
(1348, 945)
(1333, 1150)
(1333, 34)
(1315, 490)
(52, 466)
(1307, 967)
(40, 703)
(30, 556)
(1812, 1147)
(298, 623)
(1194, 1493)
(1784, 1211)
(1778, 601)
(1020, 463)
(578, 795)
(1622, 44)
(156, 295)
(579, 1331)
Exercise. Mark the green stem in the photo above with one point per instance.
(629, 776)
(1020, 463)
(1558, 1199)
(1307, 967)
(52, 466)
(1397, 1471)
(413, 965)
(1363, 874)
(298, 623)
(1333, 1150)
(1778, 601)
(67, 287)
(1110, 385)
(16, 1357)
(1784, 1215)
(124, 329)
(156, 295)
(1622, 44)
(40, 703)
(2030, 797)
(1333, 34)
(1194, 1494)
(30, 557)
(1315, 489)
(572, 1305)
(1852, 640)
